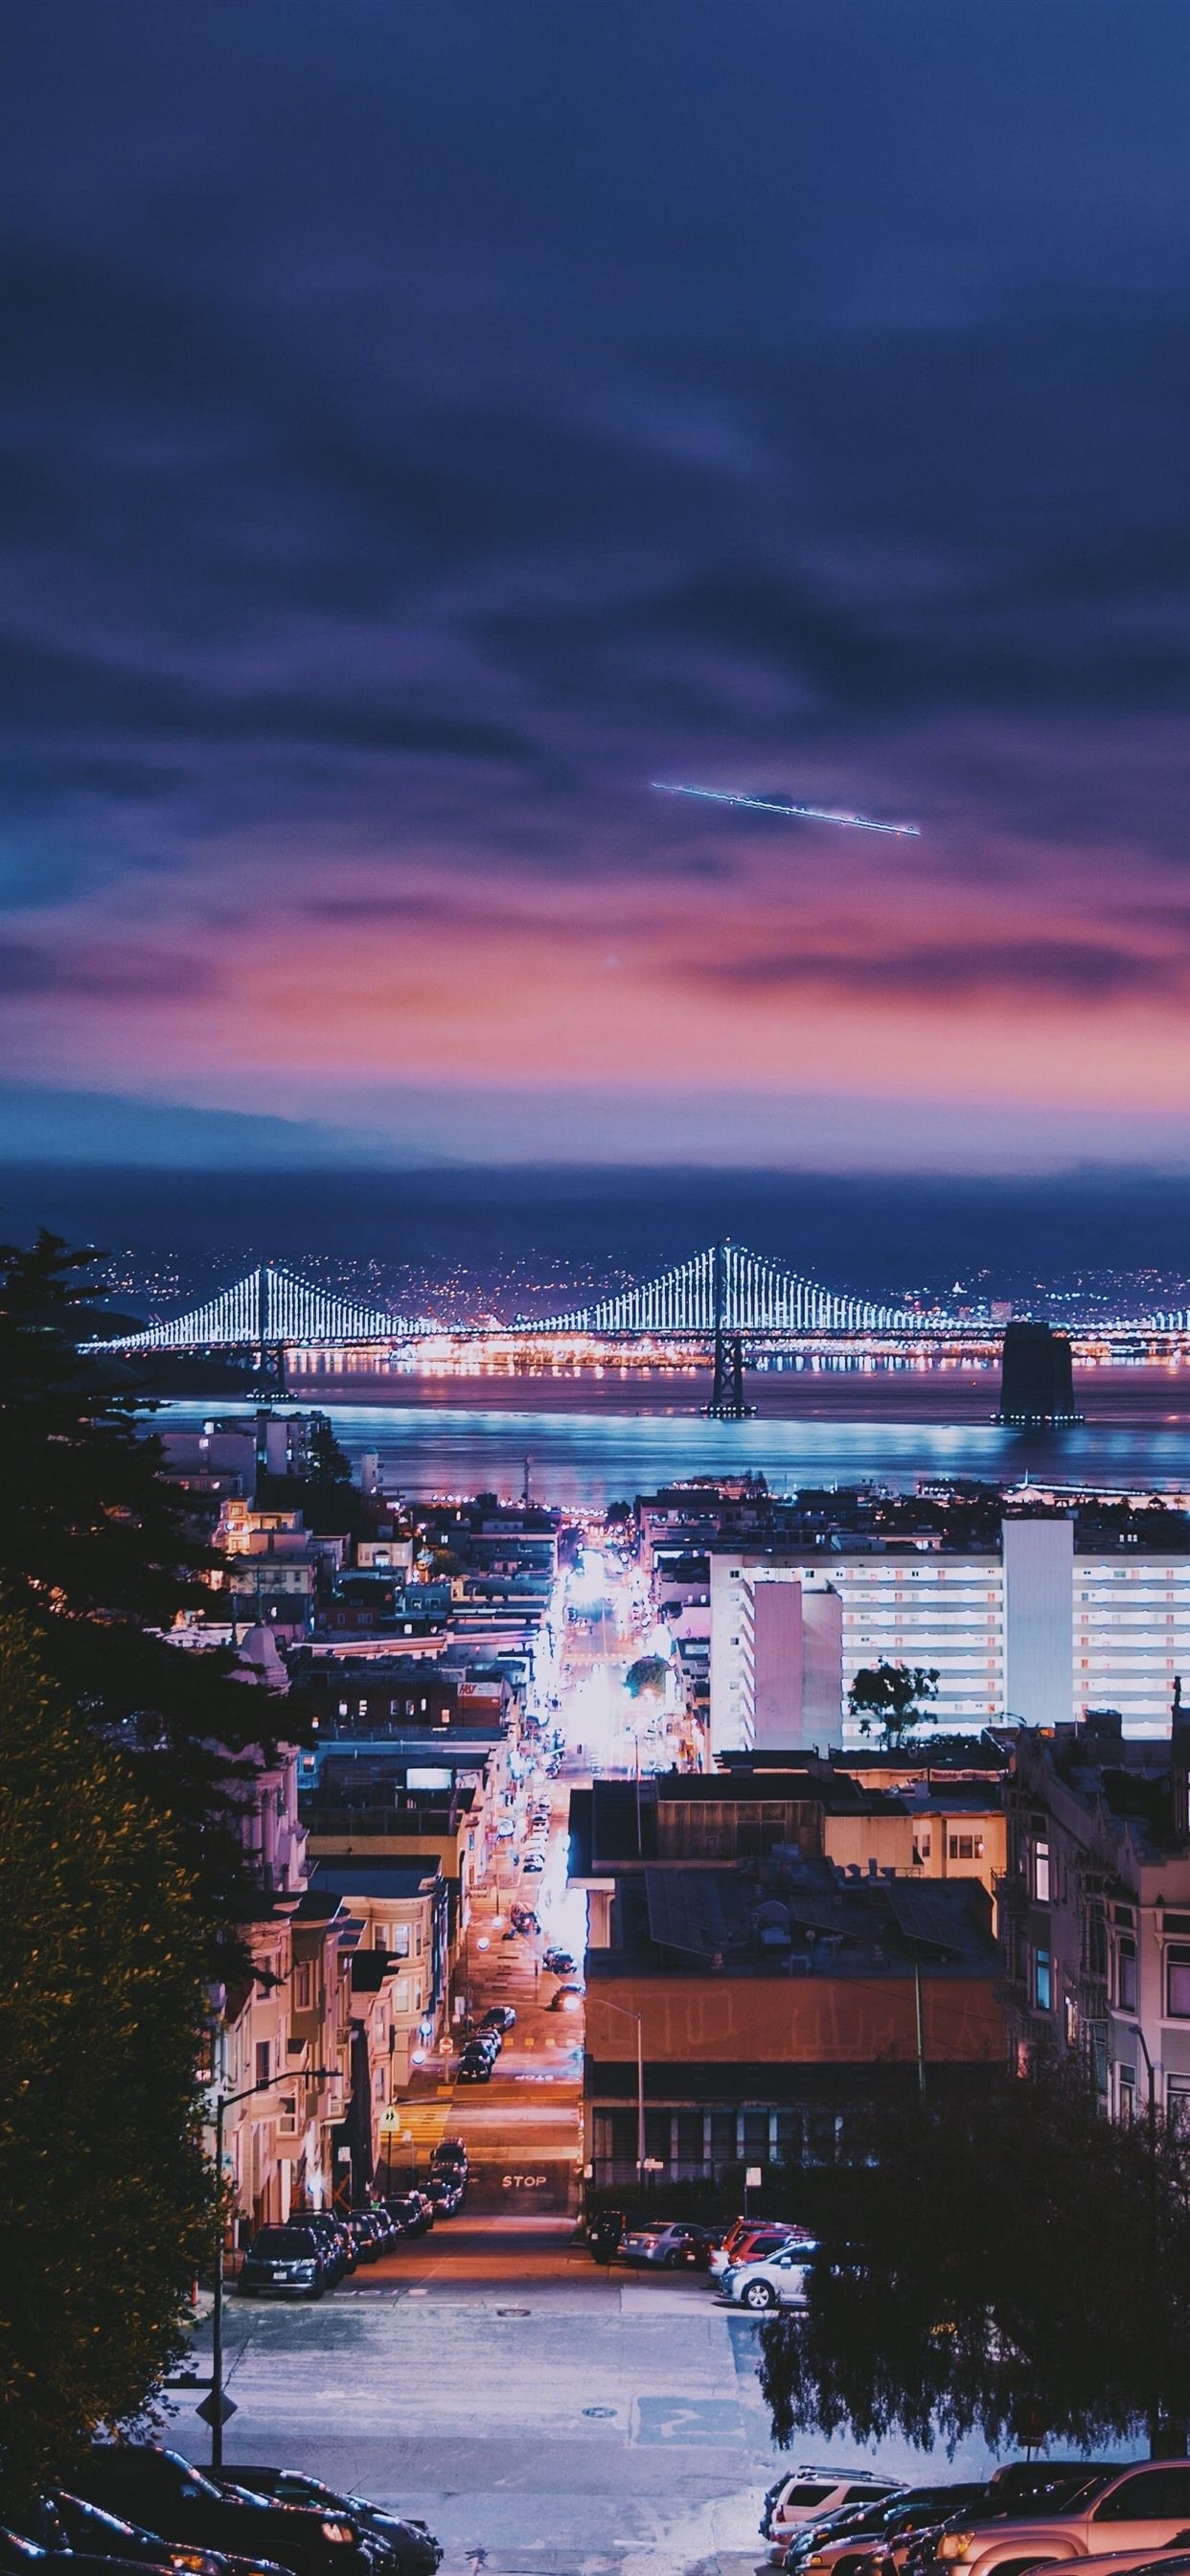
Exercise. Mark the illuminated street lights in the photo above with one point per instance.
(227, 2102)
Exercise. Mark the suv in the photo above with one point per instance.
(808, 2495)
(475, 2064)
(1143, 2506)
(285, 2260)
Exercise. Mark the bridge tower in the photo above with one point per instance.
(727, 1391)
(272, 1351)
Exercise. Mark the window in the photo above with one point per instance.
(1041, 1872)
(1043, 1980)
(1126, 1972)
(966, 1846)
(264, 2060)
(303, 1986)
(1177, 2105)
(1149, 2495)
(1177, 1980)
(1126, 2095)
(399, 1944)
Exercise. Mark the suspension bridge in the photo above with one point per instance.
(724, 1289)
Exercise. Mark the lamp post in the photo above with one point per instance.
(606, 2005)
(227, 2102)
(1135, 2032)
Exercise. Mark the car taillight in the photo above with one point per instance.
(340, 2531)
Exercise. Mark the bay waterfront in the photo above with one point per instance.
(583, 1454)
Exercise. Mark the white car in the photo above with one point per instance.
(809, 2495)
(778, 2282)
(1141, 2508)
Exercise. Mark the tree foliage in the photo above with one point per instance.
(96, 1553)
(893, 1697)
(1012, 2263)
(647, 1676)
(108, 2207)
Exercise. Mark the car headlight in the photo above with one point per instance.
(340, 2531)
(955, 2544)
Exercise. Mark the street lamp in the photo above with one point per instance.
(606, 2005)
(227, 2102)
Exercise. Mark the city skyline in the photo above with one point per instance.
(395, 489)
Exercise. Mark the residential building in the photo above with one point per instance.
(1095, 1911)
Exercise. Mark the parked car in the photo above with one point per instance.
(522, 1918)
(1142, 2506)
(412, 2545)
(475, 2065)
(884, 2556)
(805, 2495)
(668, 2245)
(449, 2152)
(335, 2242)
(855, 2526)
(532, 1864)
(499, 2017)
(559, 1963)
(284, 2261)
(566, 1999)
(753, 2244)
(371, 2233)
(604, 2232)
(778, 2282)
(448, 2192)
(1032, 2488)
(20, 2556)
(159, 2490)
(67, 2521)
(870, 2536)
(411, 2212)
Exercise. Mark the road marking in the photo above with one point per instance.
(687, 2419)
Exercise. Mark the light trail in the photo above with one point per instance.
(793, 813)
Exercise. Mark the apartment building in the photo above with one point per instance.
(1038, 1628)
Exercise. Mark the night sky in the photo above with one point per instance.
(425, 425)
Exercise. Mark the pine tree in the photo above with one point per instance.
(97, 1558)
(108, 2200)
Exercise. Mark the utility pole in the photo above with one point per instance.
(1155, 2440)
(921, 2038)
(215, 2404)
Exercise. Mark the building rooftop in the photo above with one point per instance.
(793, 1919)
(395, 1879)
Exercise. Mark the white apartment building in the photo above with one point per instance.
(1027, 1630)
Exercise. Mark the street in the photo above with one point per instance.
(541, 2413)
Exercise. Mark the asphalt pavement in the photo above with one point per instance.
(544, 2416)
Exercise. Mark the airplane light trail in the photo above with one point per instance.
(799, 813)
